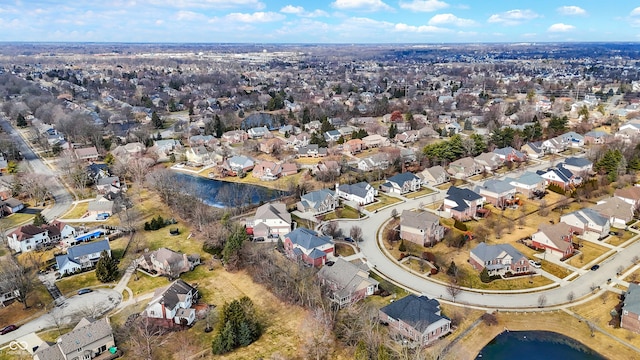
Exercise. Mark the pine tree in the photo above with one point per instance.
(106, 268)
(156, 120)
(21, 121)
(39, 220)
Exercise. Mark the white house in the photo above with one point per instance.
(173, 304)
(361, 193)
(588, 221)
(29, 237)
(270, 219)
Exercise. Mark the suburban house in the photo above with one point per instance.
(318, 202)
(489, 161)
(289, 168)
(528, 184)
(353, 146)
(596, 137)
(347, 282)
(422, 228)
(573, 139)
(300, 140)
(561, 177)
(588, 221)
(89, 339)
(361, 193)
(408, 136)
(128, 151)
(329, 166)
(238, 164)
(555, 239)
(375, 140)
(271, 219)
(235, 136)
(199, 155)
(272, 145)
(29, 237)
(578, 165)
(498, 259)
(533, 150)
(332, 135)
(165, 148)
(96, 171)
(312, 150)
(416, 318)
(462, 204)
(510, 154)
(100, 205)
(618, 211)
(173, 304)
(258, 132)
(434, 175)
(630, 194)
(402, 183)
(307, 246)
(168, 262)
(108, 184)
(630, 317)
(499, 193)
(203, 140)
(88, 153)
(267, 170)
(554, 145)
(378, 161)
(81, 257)
(10, 206)
(464, 168)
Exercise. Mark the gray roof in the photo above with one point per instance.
(402, 178)
(107, 180)
(589, 215)
(632, 299)
(85, 333)
(417, 311)
(498, 186)
(315, 198)
(418, 220)
(490, 252)
(275, 210)
(173, 294)
(78, 251)
(345, 276)
(100, 206)
(359, 189)
(578, 161)
(307, 239)
(528, 178)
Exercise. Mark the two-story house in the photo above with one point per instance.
(29, 237)
(347, 282)
(498, 259)
(361, 193)
(416, 318)
(556, 239)
(173, 304)
(630, 317)
(402, 183)
(462, 204)
(308, 246)
(422, 228)
(434, 175)
(168, 262)
(89, 339)
(499, 193)
(81, 257)
(318, 202)
(271, 219)
(588, 221)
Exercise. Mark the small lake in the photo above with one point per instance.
(536, 345)
(226, 194)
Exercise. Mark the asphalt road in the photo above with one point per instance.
(377, 260)
(62, 197)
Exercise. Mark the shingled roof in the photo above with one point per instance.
(417, 311)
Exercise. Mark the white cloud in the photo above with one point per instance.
(256, 17)
(450, 19)
(290, 9)
(424, 5)
(419, 29)
(300, 11)
(572, 10)
(513, 17)
(189, 16)
(635, 12)
(224, 4)
(368, 5)
(560, 27)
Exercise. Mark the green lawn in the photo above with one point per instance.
(345, 212)
(382, 201)
(555, 270)
(15, 220)
(77, 211)
(146, 283)
(70, 284)
(422, 192)
(344, 250)
(588, 252)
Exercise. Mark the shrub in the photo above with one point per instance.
(484, 276)
(489, 319)
(402, 246)
(429, 256)
(556, 189)
(452, 270)
(460, 225)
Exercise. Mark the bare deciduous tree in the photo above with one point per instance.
(542, 300)
(146, 339)
(356, 233)
(453, 290)
(18, 277)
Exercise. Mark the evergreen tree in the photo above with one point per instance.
(393, 131)
(156, 121)
(230, 253)
(453, 269)
(238, 326)
(306, 116)
(39, 220)
(217, 125)
(106, 268)
(21, 121)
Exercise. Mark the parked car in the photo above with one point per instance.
(348, 239)
(595, 267)
(8, 329)
(535, 264)
(84, 291)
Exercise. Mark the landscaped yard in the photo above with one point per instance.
(70, 284)
(344, 249)
(344, 212)
(588, 252)
(15, 220)
(141, 283)
(381, 201)
(14, 313)
(419, 193)
(554, 269)
(77, 211)
(616, 240)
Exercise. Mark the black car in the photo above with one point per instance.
(348, 239)
(84, 291)
(595, 267)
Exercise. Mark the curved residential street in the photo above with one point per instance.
(379, 262)
(62, 197)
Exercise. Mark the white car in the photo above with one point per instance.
(535, 264)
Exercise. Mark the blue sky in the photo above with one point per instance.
(337, 21)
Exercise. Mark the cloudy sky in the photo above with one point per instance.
(313, 21)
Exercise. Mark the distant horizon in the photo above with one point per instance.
(3, 42)
(320, 22)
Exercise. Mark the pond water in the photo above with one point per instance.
(536, 345)
(226, 194)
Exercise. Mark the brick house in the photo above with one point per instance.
(498, 259)
(307, 246)
(422, 228)
(416, 318)
(630, 317)
(497, 192)
(556, 239)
